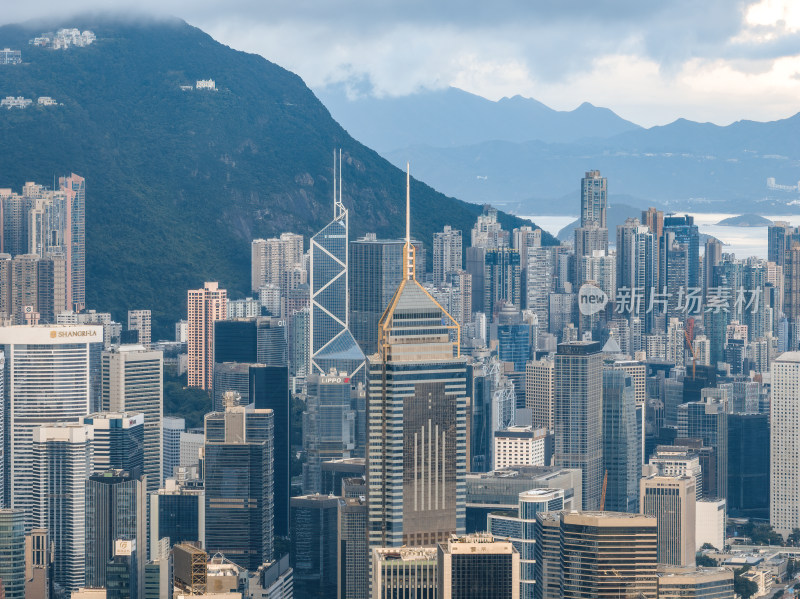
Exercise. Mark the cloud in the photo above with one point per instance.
(715, 60)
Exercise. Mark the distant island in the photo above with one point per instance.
(745, 220)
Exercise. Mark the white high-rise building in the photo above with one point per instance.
(172, 429)
(133, 381)
(61, 461)
(540, 392)
(139, 320)
(446, 254)
(47, 382)
(784, 505)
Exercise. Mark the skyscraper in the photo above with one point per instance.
(12, 553)
(478, 566)
(707, 420)
(687, 234)
(171, 445)
(578, 401)
(239, 484)
(314, 548)
(353, 561)
(502, 278)
(118, 441)
(61, 463)
(608, 554)
(416, 414)
(269, 390)
(637, 259)
(331, 343)
(133, 381)
(47, 381)
(446, 254)
(784, 505)
(672, 500)
(115, 510)
(179, 513)
(594, 199)
(74, 188)
(622, 443)
(748, 465)
(205, 306)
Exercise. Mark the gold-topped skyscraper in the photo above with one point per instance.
(416, 413)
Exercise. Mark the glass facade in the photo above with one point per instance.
(12, 553)
(622, 447)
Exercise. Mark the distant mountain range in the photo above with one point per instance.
(180, 180)
(525, 157)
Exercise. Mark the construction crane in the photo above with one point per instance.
(603, 494)
(689, 334)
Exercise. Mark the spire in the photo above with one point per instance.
(338, 206)
(410, 267)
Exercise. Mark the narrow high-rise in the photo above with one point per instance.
(331, 345)
(446, 254)
(133, 381)
(206, 305)
(784, 505)
(578, 414)
(416, 419)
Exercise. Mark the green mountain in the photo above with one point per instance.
(179, 182)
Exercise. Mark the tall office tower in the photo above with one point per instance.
(61, 463)
(622, 443)
(594, 199)
(269, 390)
(259, 339)
(38, 565)
(376, 269)
(139, 320)
(74, 240)
(748, 465)
(686, 233)
(205, 306)
(513, 339)
(407, 572)
(502, 279)
(118, 441)
(177, 512)
(478, 566)
(784, 505)
(539, 284)
(171, 444)
(239, 484)
(547, 555)
(12, 553)
(578, 414)
(271, 259)
(637, 257)
(520, 530)
(674, 461)
(416, 414)
(47, 380)
(672, 500)
(778, 235)
(606, 554)
(711, 258)
(115, 510)
(133, 381)
(230, 376)
(298, 342)
(654, 220)
(791, 292)
(488, 232)
(475, 258)
(688, 582)
(52, 287)
(329, 425)
(331, 343)
(540, 392)
(673, 273)
(446, 254)
(314, 548)
(589, 239)
(353, 555)
(707, 419)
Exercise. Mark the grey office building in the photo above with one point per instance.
(578, 406)
(622, 447)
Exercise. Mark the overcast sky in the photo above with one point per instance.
(651, 61)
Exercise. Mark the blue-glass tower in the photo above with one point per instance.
(331, 345)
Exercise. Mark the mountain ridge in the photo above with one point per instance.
(179, 182)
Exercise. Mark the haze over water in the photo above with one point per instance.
(742, 241)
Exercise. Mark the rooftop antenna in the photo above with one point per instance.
(338, 206)
(334, 183)
(409, 249)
